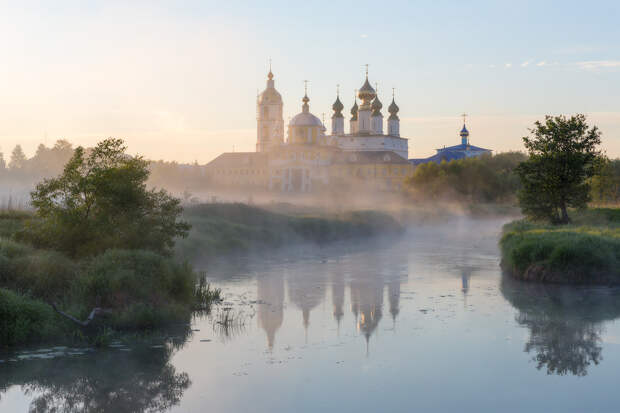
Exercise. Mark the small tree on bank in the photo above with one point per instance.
(562, 156)
(100, 201)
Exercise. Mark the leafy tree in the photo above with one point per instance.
(100, 201)
(2, 162)
(488, 178)
(605, 184)
(563, 155)
(18, 158)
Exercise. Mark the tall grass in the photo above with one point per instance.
(222, 228)
(587, 251)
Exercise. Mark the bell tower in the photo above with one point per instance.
(269, 120)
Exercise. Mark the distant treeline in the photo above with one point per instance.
(492, 178)
(19, 174)
(45, 163)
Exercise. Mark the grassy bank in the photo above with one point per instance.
(134, 290)
(224, 228)
(585, 252)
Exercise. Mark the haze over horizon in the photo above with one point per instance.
(179, 81)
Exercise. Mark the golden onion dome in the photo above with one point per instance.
(366, 93)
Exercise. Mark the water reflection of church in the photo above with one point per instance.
(368, 281)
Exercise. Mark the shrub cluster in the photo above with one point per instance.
(141, 288)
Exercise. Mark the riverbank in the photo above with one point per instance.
(229, 228)
(585, 252)
(46, 296)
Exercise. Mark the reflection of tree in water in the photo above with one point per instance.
(116, 381)
(565, 322)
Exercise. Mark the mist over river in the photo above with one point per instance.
(424, 322)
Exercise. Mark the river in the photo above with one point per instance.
(425, 322)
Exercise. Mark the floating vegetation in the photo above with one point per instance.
(228, 323)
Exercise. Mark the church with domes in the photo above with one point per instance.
(310, 159)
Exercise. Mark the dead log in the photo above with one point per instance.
(96, 311)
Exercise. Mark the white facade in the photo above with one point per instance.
(363, 120)
(353, 126)
(374, 143)
(338, 126)
(297, 173)
(377, 124)
(393, 127)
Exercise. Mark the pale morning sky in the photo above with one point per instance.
(178, 80)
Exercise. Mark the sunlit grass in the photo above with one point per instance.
(587, 250)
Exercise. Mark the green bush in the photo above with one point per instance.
(12, 222)
(25, 320)
(118, 278)
(14, 249)
(138, 289)
(44, 274)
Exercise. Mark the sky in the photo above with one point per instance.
(178, 79)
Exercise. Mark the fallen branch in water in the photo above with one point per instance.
(96, 311)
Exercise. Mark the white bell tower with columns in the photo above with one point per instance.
(270, 123)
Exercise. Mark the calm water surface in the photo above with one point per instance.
(422, 323)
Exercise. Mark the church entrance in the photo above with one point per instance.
(296, 180)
